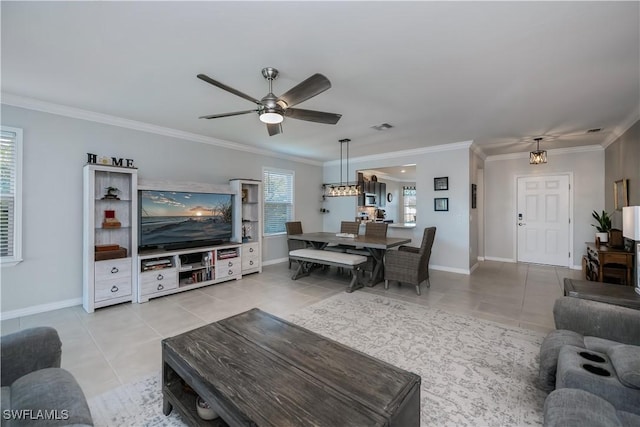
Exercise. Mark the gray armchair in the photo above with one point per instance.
(33, 384)
(593, 362)
(409, 264)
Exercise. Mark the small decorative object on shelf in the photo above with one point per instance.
(110, 220)
(245, 195)
(112, 193)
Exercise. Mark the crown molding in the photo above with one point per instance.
(405, 153)
(622, 128)
(554, 151)
(478, 150)
(92, 116)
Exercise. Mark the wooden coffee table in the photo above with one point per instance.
(257, 369)
(625, 296)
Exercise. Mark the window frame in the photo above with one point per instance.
(292, 173)
(405, 205)
(16, 258)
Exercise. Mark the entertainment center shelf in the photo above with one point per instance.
(163, 273)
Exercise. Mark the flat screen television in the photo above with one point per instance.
(175, 220)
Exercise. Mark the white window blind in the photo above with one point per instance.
(278, 200)
(409, 204)
(10, 194)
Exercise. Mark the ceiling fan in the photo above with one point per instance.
(272, 109)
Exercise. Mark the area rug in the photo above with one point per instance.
(474, 372)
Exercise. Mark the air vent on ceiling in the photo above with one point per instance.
(594, 130)
(383, 126)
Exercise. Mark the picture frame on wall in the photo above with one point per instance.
(620, 194)
(441, 183)
(474, 193)
(441, 204)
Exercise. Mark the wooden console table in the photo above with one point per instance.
(624, 296)
(603, 257)
(255, 369)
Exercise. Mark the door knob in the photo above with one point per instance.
(521, 224)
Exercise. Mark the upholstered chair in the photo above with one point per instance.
(294, 227)
(409, 264)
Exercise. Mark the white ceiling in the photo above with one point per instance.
(497, 73)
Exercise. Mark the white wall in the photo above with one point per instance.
(55, 150)
(587, 166)
(451, 246)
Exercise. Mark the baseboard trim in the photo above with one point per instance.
(491, 258)
(449, 269)
(275, 261)
(473, 267)
(42, 308)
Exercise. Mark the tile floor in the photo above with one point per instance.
(117, 345)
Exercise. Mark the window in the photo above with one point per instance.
(10, 195)
(278, 200)
(409, 204)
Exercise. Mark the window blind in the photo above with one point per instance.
(278, 200)
(10, 140)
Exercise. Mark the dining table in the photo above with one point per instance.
(375, 246)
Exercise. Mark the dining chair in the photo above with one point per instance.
(294, 227)
(409, 264)
(351, 227)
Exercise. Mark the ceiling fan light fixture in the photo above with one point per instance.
(271, 117)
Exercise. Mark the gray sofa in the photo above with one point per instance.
(35, 390)
(593, 362)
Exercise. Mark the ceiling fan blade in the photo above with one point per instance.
(274, 128)
(312, 116)
(309, 88)
(227, 88)
(235, 113)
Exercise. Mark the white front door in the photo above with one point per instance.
(543, 220)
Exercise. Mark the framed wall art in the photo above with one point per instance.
(474, 195)
(441, 183)
(620, 194)
(441, 204)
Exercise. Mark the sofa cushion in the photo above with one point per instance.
(51, 389)
(626, 361)
(569, 407)
(599, 344)
(549, 351)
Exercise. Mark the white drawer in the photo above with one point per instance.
(112, 269)
(166, 275)
(112, 288)
(250, 262)
(226, 270)
(250, 249)
(158, 281)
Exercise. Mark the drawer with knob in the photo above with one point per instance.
(158, 281)
(113, 269)
(112, 288)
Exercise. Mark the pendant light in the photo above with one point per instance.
(538, 156)
(344, 188)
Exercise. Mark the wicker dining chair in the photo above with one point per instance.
(351, 227)
(294, 227)
(409, 264)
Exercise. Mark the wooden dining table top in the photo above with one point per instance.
(360, 240)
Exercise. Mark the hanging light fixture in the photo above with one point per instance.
(343, 188)
(538, 156)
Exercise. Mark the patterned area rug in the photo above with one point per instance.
(474, 372)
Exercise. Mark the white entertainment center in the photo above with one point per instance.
(115, 271)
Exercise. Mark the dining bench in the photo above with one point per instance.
(306, 258)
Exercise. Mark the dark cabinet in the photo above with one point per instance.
(382, 195)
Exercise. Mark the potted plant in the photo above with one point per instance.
(603, 226)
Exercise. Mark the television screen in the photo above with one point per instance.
(174, 220)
